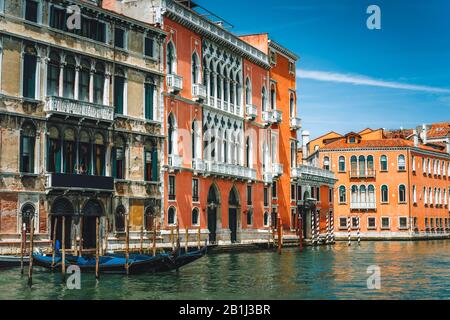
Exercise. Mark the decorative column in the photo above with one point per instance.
(77, 79)
(62, 64)
(91, 83)
(106, 91)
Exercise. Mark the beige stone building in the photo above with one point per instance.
(80, 121)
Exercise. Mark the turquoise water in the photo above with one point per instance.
(409, 270)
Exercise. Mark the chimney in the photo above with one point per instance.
(424, 134)
(305, 142)
(416, 138)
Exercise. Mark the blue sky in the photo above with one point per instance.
(350, 77)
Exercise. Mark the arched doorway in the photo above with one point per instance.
(213, 204)
(92, 209)
(233, 207)
(62, 208)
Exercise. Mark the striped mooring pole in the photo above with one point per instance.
(328, 229)
(318, 227)
(349, 231)
(359, 232)
(332, 227)
(313, 229)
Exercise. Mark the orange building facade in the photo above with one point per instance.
(389, 186)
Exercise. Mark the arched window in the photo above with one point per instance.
(195, 217)
(363, 193)
(425, 195)
(99, 83)
(171, 59)
(53, 150)
(384, 194)
(212, 82)
(84, 78)
(292, 105)
(424, 165)
(150, 162)
(429, 165)
(371, 194)
(362, 166)
(370, 167)
(273, 97)
(383, 163)
(342, 195)
(149, 219)
(341, 164)
(266, 219)
(119, 91)
(250, 217)
(225, 85)
(119, 218)
(69, 151)
(264, 99)
(326, 163)
(118, 158)
(27, 213)
(195, 66)
(248, 152)
(69, 78)
(225, 147)
(294, 155)
(171, 216)
(401, 194)
(219, 82)
(354, 165)
(238, 90)
(401, 163)
(414, 194)
(53, 69)
(84, 153)
(171, 134)
(27, 145)
(430, 195)
(29, 73)
(99, 150)
(248, 92)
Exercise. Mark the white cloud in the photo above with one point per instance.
(356, 79)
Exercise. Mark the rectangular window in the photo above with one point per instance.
(342, 223)
(299, 193)
(172, 188)
(149, 50)
(371, 223)
(385, 223)
(293, 192)
(403, 223)
(274, 190)
(29, 76)
(318, 193)
(120, 38)
(355, 222)
(266, 197)
(312, 192)
(58, 18)
(432, 223)
(415, 222)
(31, 10)
(195, 197)
(149, 94)
(249, 195)
(330, 195)
(119, 85)
(426, 223)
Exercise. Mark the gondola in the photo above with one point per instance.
(107, 264)
(183, 259)
(12, 261)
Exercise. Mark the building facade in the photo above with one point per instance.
(81, 114)
(388, 187)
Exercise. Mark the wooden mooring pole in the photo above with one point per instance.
(186, 245)
(154, 239)
(23, 239)
(300, 233)
(81, 236)
(280, 235)
(55, 224)
(199, 235)
(127, 244)
(106, 234)
(63, 248)
(172, 239)
(30, 266)
(97, 248)
(141, 245)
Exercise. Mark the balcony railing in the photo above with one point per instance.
(277, 116)
(268, 177)
(296, 123)
(198, 165)
(363, 205)
(78, 108)
(252, 111)
(277, 169)
(270, 117)
(369, 173)
(314, 171)
(198, 92)
(214, 167)
(68, 181)
(175, 161)
(174, 83)
(295, 173)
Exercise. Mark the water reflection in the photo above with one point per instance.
(409, 270)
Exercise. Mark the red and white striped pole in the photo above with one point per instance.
(349, 231)
(318, 227)
(359, 231)
(332, 226)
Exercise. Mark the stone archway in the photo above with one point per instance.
(233, 214)
(62, 207)
(91, 211)
(213, 209)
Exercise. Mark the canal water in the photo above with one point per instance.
(409, 270)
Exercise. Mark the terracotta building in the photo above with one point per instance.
(391, 184)
(81, 114)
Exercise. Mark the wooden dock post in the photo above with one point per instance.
(106, 235)
(186, 245)
(279, 227)
(30, 266)
(54, 240)
(359, 231)
(141, 248)
(81, 236)
(300, 233)
(127, 244)
(97, 247)
(23, 239)
(154, 239)
(199, 236)
(172, 238)
(63, 248)
(178, 236)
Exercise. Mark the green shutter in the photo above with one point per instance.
(29, 76)
(149, 90)
(58, 158)
(118, 94)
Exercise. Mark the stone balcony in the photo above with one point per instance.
(198, 165)
(174, 83)
(313, 174)
(175, 161)
(268, 177)
(295, 173)
(251, 111)
(295, 123)
(232, 170)
(198, 92)
(277, 169)
(363, 205)
(70, 107)
(272, 117)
